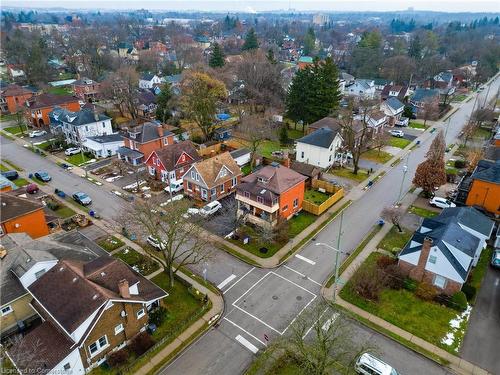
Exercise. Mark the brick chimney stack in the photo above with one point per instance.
(417, 273)
(124, 288)
(286, 162)
(160, 130)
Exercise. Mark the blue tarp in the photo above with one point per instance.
(223, 116)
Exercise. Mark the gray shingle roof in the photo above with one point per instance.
(147, 132)
(394, 103)
(116, 137)
(422, 94)
(321, 138)
(239, 152)
(79, 118)
(147, 77)
(469, 217)
(489, 172)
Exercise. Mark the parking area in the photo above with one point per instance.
(224, 221)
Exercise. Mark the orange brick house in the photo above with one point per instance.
(39, 107)
(13, 98)
(213, 178)
(140, 141)
(171, 162)
(269, 194)
(21, 215)
(86, 89)
(90, 310)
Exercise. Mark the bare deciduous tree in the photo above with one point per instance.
(122, 87)
(255, 130)
(430, 109)
(182, 240)
(394, 214)
(473, 157)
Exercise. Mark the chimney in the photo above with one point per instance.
(160, 131)
(286, 162)
(417, 273)
(124, 288)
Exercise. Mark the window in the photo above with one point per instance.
(103, 125)
(98, 346)
(213, 192)
(204, 193)
(67, 366)
(6, 310)
(285, 208)
(432, 259)
(275, 200)
(296, 203)
(302, 154)
(234, 181)
(165, 141)
(247, 194)
(222, 188)
(118, 328)
(140, 313)
(260, 199)
(193, 175)
(39, 273)
(86, 128)
(197, 177)
(439, 281)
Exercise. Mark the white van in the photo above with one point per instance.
(367, 364)
(175, 186)
(210, 208)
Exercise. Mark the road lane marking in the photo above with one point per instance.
(257, 319)
(226, 281)
(242, 277)
(249, 289)
(300, 312)
(316, 322)
(305, 259)
(301, 274)
(247, 344)
(297, 285)
(244, 330)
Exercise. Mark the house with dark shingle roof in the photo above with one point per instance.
(39, 107)
(211, 179)
(319, 147)
(169, 163)
(90, 309)
(13, 98)
(420, 96)
(269, 194)
(393, 109)
(148, 81)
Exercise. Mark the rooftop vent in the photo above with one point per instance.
(61, 268)
(103, 274)
(94, 297)
(74, 279)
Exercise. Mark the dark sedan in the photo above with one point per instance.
(43, 176)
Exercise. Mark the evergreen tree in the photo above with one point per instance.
(251, 42)
(163, 112)
(217, 58)
(415, 49)
(309, 42)
(284, 139)
(270, 56)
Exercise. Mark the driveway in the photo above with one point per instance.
(483, 335)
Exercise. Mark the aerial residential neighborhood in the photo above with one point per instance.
(270, 188)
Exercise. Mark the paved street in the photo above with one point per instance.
(264, 302)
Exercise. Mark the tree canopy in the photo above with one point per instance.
(217, 57)
(251, 41)
(163, 112)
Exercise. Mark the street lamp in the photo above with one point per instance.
(405, 170)
(337, 252)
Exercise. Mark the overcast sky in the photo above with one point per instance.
(265, 5)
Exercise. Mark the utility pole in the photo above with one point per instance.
(487, 93)
(339, 240)
(405, 170)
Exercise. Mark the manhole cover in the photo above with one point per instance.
(275, 298)
(298, 298)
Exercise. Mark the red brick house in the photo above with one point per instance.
(213, 178)
(171, 162)
(86, 89)
(140, 141)
(39, 107)
(89, 311)
(158, 47)
(14, 97)
(269, 194)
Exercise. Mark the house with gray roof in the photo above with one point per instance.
(319, 147)
(148, 81)
(420, 96)
(103, 146)
(362, 88)
(393, 109)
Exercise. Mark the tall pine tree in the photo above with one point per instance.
(163, 112)
(217, 57)
(309, 42)
(250, 41)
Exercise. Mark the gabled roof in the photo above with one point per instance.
(71, 291)
(147, 132)
(12, 207)
(107, 138)
(239, 152)
(469, 217)
(209, 169)
(394, 103)
(305, 169)
(488, 171)
(422, 94)
(170, 154)
(50, 100)
(146, 97)
(147, 76)
(328, 122)
(323, 138)
(15, 90)
(275, 178)
(78, 118)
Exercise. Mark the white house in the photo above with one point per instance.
(393, 109)
(362, 88)
(376, 121)
(241, 156)
(319, 147)
(148, 81)
(78, 126)
(102, 146)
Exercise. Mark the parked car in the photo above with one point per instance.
(368, 364)
(82, 198)
(397, 133)
(495, 259)
(11, 175)
(32, 189)
(155, 242)
(72, 151)
(403, 122)
(441, 202)
(191, 211)
(175, 186)
(43, 176)
(37, 133)
(210, 208)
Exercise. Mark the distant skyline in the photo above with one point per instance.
(255, 6)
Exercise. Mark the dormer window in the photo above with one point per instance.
(262, 179)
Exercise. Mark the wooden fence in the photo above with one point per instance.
(325, 185)
(318, 209)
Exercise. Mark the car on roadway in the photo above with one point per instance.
(72, 151)
(210, 208)
(10, 175)
(155, 242)
(82, 198)
(32, 189)
(43, 176)
(397, 133)
(37, 133)
(495, 259)
(441, 202)
(368, 364)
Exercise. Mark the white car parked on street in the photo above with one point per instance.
(37, 133)
(441, 202)
(397, 133)
(72, 151)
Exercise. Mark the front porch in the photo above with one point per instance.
(130, 156)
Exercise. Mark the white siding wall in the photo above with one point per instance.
(101, 149)
(89, 130)
(317, 156)
(75, 362)
(29, 277)
(442, 266)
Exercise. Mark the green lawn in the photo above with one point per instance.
(20, 182)
(427, 320)
(399, 142)
(417, 125)
(267, 147)
(60, 90)
(44, 145)
(478, 272)
(77, 159)
(423, 212)
(295, 133)
(3, 168)
(377, 156)
(395, 240)
(8, 117)
(16, 129)
(246, 170)
(315, 196)
(300, 222)
(459, 98)
(111, 243)
(482, 133)
(347, 173)
(144, 264)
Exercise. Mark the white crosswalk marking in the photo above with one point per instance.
(247, 344)
(298, 256)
